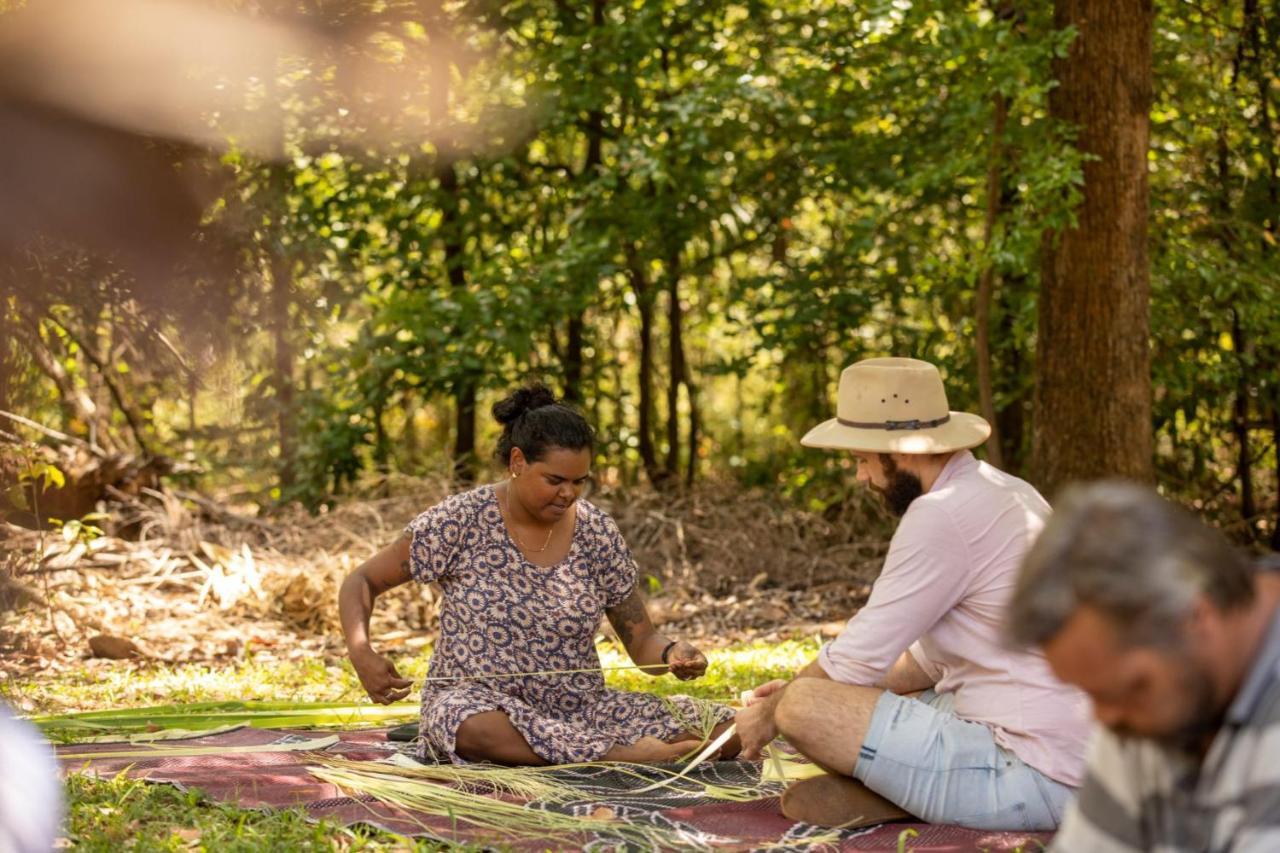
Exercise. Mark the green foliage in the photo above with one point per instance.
(807, 181)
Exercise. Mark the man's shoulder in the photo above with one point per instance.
(984, 487)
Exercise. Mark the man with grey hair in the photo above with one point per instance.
(1175, 635)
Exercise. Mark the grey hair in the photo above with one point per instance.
(1137, 558)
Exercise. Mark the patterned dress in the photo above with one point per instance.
(503, 614)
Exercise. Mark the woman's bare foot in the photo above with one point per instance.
(650, 750)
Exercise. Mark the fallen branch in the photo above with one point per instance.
(54, 434)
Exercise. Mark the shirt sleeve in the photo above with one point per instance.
(925, 573)
(616, 570)
(433, 542)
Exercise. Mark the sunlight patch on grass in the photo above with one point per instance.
(134, 685)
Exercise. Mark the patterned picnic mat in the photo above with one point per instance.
(265, 778)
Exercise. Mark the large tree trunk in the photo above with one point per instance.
(1093, 393)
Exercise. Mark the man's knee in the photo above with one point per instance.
(796, 712)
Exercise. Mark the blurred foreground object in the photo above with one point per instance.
(109, 107)
(30, 793)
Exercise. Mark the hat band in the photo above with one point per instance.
(894, 426)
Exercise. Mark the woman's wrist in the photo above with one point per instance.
(666, 651)
(650, 654)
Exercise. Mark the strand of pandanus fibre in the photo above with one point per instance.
(386, 784)
(499, 817)
(543, 783)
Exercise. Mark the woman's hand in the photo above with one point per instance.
(380, 679)
(686, 662)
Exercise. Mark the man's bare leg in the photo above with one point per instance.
(826, 721)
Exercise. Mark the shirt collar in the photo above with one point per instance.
(1262, 672)
(958, 464)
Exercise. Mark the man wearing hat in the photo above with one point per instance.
(918, 699)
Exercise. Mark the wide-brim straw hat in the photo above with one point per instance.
(896, 405)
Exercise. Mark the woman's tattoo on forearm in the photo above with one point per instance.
(628, 616)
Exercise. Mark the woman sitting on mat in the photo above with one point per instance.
(527, 568)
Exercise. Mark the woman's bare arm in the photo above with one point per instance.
(630, 620)
(385, 570)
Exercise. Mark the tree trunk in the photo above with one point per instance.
(1012, 417)
(281, 298)
(1240, 426)
(644, 377)
(573, 366)
(464, 427)
(675, 365)
(573, 358)
(695, 426)
(987, 281)
(1093, 393)
(1275, 441)
(1265, 78)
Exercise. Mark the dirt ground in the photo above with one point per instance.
(203, 583)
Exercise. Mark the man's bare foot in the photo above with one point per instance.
(830, 800)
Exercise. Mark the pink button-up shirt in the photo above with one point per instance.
(946, 581)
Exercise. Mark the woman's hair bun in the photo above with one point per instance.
(523, 400)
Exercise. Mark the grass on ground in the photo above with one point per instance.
(115, 814)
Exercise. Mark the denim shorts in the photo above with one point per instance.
(944, 769)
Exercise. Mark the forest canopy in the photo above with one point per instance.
(687, 218)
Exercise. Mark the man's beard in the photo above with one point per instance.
(1203, 718)
(902, 488)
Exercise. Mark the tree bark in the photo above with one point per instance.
(1093, 392)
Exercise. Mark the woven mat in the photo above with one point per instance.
(264, 779)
